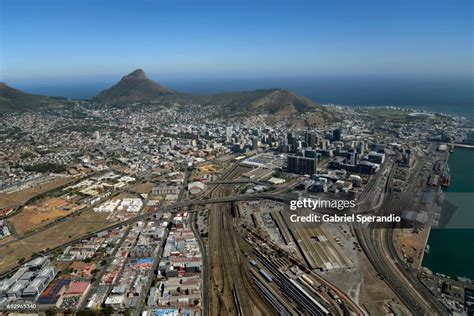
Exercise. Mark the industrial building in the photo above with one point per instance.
(29, 281)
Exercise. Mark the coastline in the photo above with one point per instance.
(452, 242)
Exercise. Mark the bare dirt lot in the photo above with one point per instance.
(142, 188)
(411, 244)
(375, 294)
(42, 213)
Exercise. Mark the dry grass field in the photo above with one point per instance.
(142, 188)
(42, 213)
(14, 199)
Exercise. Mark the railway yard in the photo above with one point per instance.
(230, 292)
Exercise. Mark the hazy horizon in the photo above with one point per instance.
(452, 94)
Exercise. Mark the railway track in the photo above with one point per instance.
(230, 281)
(290, 288)
(378, 245)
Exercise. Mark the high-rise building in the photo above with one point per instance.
(96, 136)
(254, 143)
(376, 157)
(271, 139)
(302, 165)
(292, 163)
(336, 135)
(311, 139)
(292, 143)
(307, 165)
(325, 144)
(361, 147)
(289, 138)
(228, 133)
(299, 145)
(352, 157)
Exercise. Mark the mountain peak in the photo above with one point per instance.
(135, 87)
(137, 74)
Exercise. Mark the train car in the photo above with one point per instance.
(316, 308)
(253, 262)
(306, 279)
(266, 276)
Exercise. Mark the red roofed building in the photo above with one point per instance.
(78, 288)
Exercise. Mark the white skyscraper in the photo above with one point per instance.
(228, 133)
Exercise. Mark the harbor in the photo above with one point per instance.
(450, 246)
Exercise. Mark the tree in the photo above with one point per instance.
(50, 312)
(87, 313)
(108, 310)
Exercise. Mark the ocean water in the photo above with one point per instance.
(452, 248)
(448, 94)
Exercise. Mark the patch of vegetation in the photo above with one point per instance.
(27, 154)
(45, 167)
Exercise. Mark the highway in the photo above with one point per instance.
(244, 181)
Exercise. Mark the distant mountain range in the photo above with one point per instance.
(136, 88)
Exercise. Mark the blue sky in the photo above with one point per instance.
(46, 40)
